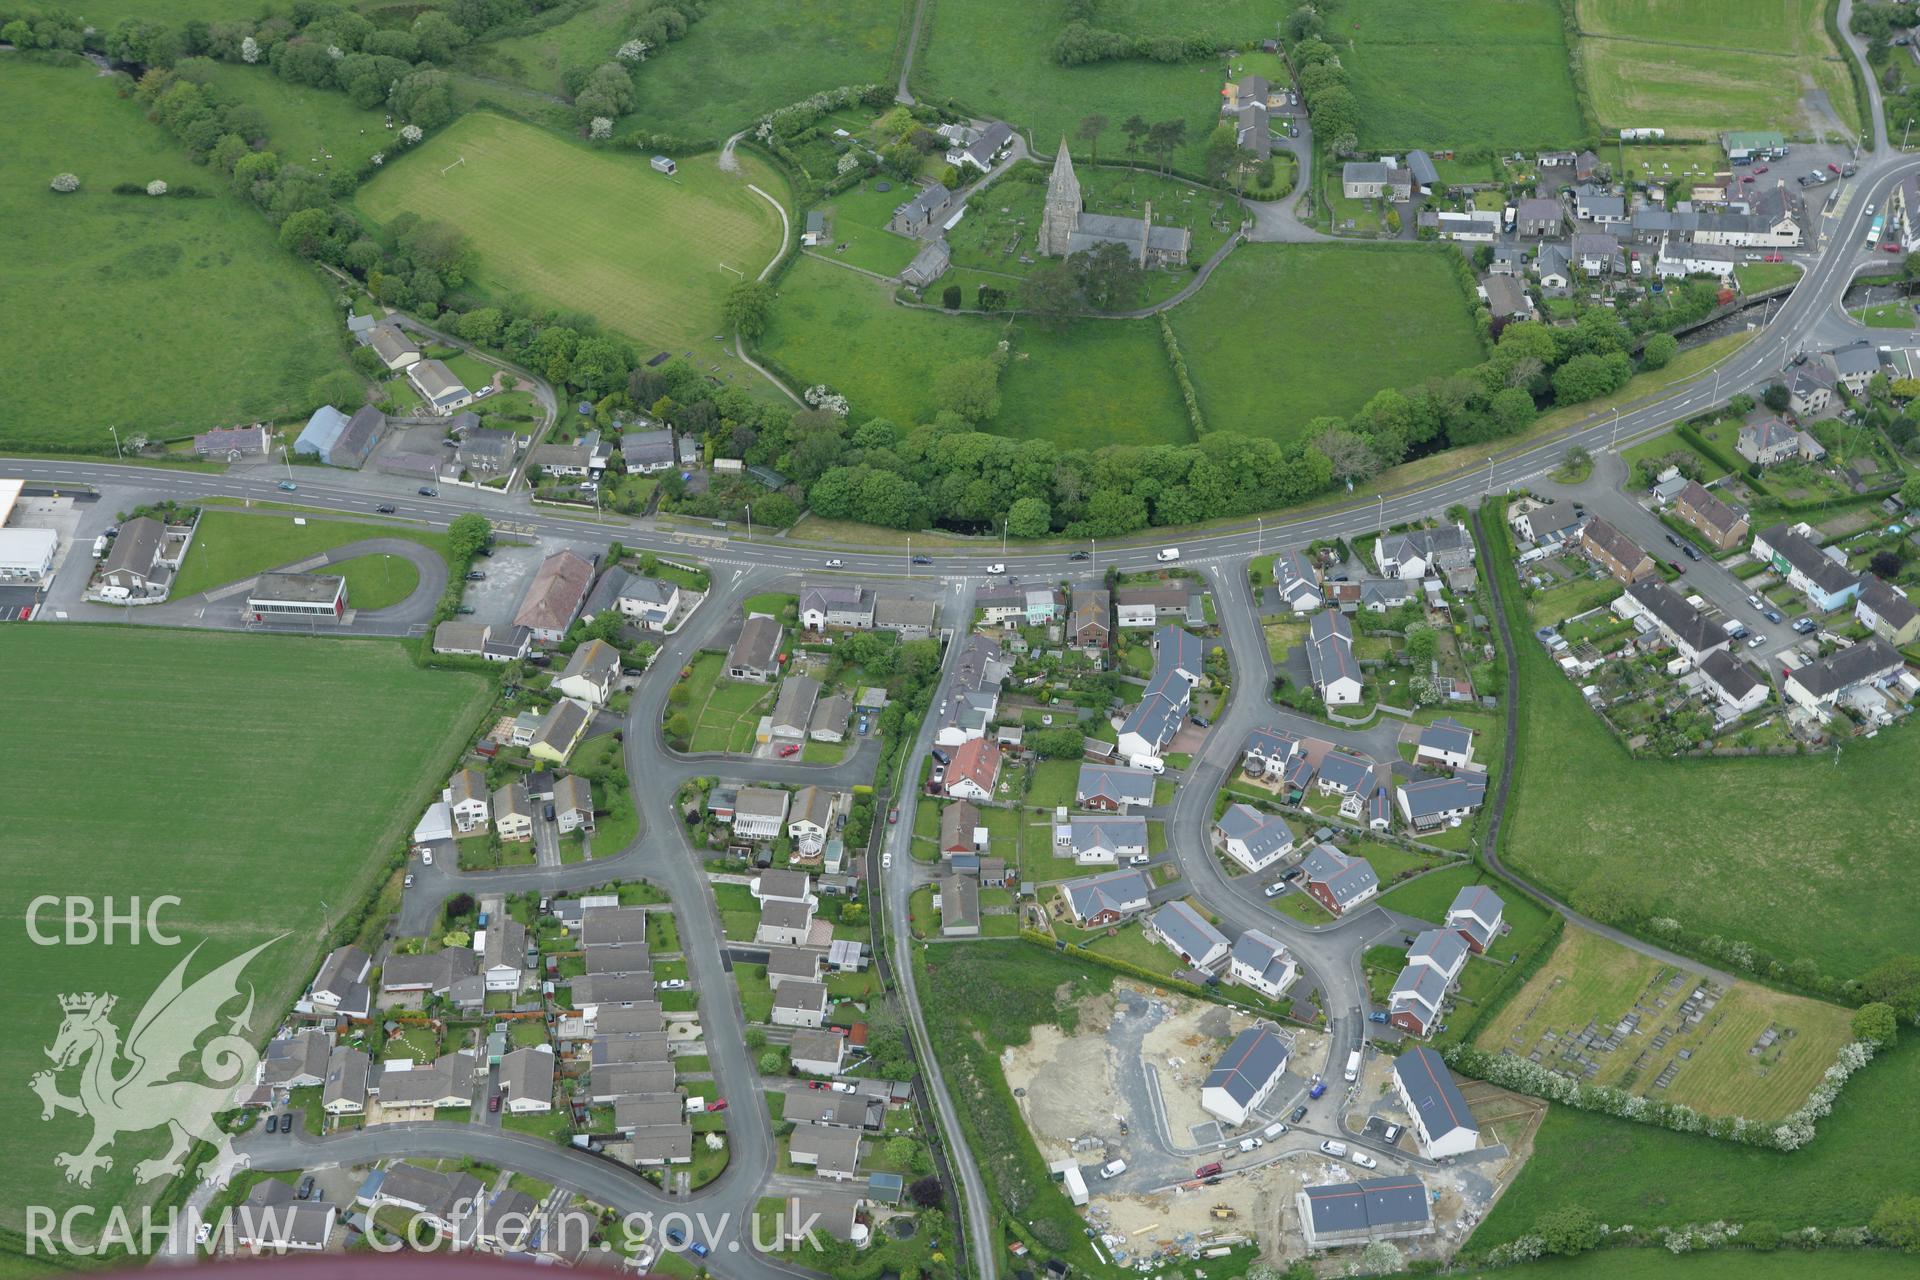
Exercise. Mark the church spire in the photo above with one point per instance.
(1062, 213)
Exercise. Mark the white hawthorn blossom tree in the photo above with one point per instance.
(601, 128)
(65, 183)
(411, 134)
(156, 188)
(249, 50)
(633, 51)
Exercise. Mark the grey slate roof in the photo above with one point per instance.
(1886, 600)
(1370, 1204)
(1441, 795)
(1128, 786)
(1118, 890)
(1731, 676)
(1255, 1057)
(1330, 648)
(1803, 554)
(1187, 929)
(1447, 735)
(1347, 878)
(1848, 667)
(1437, 1099)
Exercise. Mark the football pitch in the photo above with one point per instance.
(262, 781)
(650, 256)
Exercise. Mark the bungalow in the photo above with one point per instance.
(1338, 881)
(974, 770)
(390, 342)
(1443, 1123)
(1717, 522)
(1475, 914)
(810, 820)
(591, 674)
(803, 1214)
(1692, 635)
(755, 652)
(829, 720)
(908, 617)
(985, 150)
(1138, 607)
(340, 987)
(1422, 553)
(555, 596)
(800, 1004)
(468, 797)
(560, 731)
(1614, 551)
(526, 1080)
(1885, 610)
(137, 567)
(1330, 661)
(1178, 661)
(818, 1052)
(272, 1220)
(1444, 744)
(1823, 579)
(959, 905)
(1819, 686)
(1188, 934)
(344, 1092)
(1375, 180)
(442, 1198)
(433, 973)
(793, 708)
(573, 804)
(298, 1061)
(1090, 621)
(759, 813)
(960, 829)
(512, 813)
(1432, 803)
(833, 1152)
(442, 392)
(1358, 1213)
(1101, 841)
(1254, 839)
(1259, 961)
(1507, 299)
(447, 1081)
(1112, 789)
(232, 443)
(1107, 898)
(1246, 1074)
(1297, 582)
(1733, 682)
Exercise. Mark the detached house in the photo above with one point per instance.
(1432, 803)
(1330, 662)
(1767, 440)
(1810, 387)
(591, 674)
(513, 813)
(1475, 914)
(1338, 881)
(1155, 720)
(1444, 744)
(1375, 180)
(1245, 1075)
(1112, 789)
(974, 770)
(1297, 582)
(1251, 838)
(1443, 1123)
(560, 731)
(1101, 841)
(554, 598)
(754, 654)
(468, 796)
(1107, 898)
(1423, 553)
(1188, 934)
(1262, 963)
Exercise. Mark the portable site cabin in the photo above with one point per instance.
(665, 165)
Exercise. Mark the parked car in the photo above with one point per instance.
(1834, 168)
(1674, 540)
(287, 486)
(1317, 1088)
(1378, 1015)
(1805, 626)
(893, 816)
(1391, 1134)
(1113, 1168)
(790, 749)
(408, 884)
(476, 575)
(841, 1086)
(273, 1124)
(1772, 615)
(1754, 599)
(1778, 257)
(1202, 721)
(1364, 1160)
(386, 508)
(1760, 168)
(203, 1233)
(549, 812)
(1251, 1144)
(718, 1104)
(698, 1249)
(1275, 889)
(674, 984)
(493, 1103)
(816, 1084)
(1758, 639)
(1138, 860)
(464, 609)
(1298, 1114)
(1208, 1170)
(1690, 551)
(1294, 874)
(427, 491)
(286, 1124)
(1338, 1150)
(426, 857)
(886, 859)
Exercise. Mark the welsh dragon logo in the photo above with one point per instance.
(149, 1093)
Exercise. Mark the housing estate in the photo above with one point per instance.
(1162, 709)
(1357, 1213)
(1251, 838)
(1245, 1075)
(1330, 662)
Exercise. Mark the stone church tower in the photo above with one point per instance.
(1062, 212)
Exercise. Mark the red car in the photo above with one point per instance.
(1207, 1170)
(816, 1084)
(1747, 178)
(718, 1104)
(1774, 257)
(893, 816)
(1832, 167)
(1761, 169)
(493, 1103)
(792, 748)
(1891, 246)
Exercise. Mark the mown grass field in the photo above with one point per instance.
(1634, 1173)
(1594, 979)
(724, 712)
(164, 315)
(596, 231)
(1766, 850)
(1732, 1264)
(1093, 383)
(231, 545)
(1343, 323)
(994, 57)
(262, 780)
(1492, 73)
(376, 581)
(1706, 65)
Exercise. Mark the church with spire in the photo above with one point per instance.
(1066, 228)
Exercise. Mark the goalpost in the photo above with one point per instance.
(455, 165)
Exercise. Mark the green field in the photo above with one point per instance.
(262, 780)
(738, 62)
(1696, 68)
(1492, 73)
(231, 545)
(993, 57)
(1592, 978)
(1762, 850)
(1757, 276)
(305, 125)
(592, 230)
(167, 315)
(376, 581)
(1731, 1264)
(1634, 1173)
(724, 712)
(1885, 315)
(1344, 323)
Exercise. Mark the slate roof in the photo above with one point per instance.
(1255, 1057)
(1187, 929)
(1346, 877)
(1675, 616)
(1442, 1108)
(1370, 1204)
(1129, 786)
(1261, 952)
(1474, 903)
(1177, 659)
(1888, 601)
(1447, 735)
(1734, 678)
(1801, 553)
(1262, 833)
(1431, 796)
(1848, 667)
(556, 593)
(757, 645)
(1123, 889)
(1330, 648)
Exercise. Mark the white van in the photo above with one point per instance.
(1152, 764)
(1113, 1168)
(1169, 553)
(1273, 1130)
(1353, 1066)
(1250, 1144)
(1338, 1150)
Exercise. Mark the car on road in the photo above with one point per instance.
(286, 486)
(1760, 169)
(1674, 540)
(427, 491)
(923, 559)
(1275, 889)
(790, 749)
(834, 563)
(493, 1103)
(1756, 640)
(1869, 210)
(1078, 556)
(1690, 551)
(286, 1124)
(464, 609)
(1805, 626)
(408, 883)
(1754, 599)
(1364, 1160)
(841, 1086)
(996, 567)
(893, 816)
(1298, 1114)
(1338, 1150)
(886, 859)
(698, 1249)
(1772, 615)
(386, 508)
(203, 1233)
(1208, 1170)
(816, 1084)
(426, 857)
(476, 575)
(1166, 554)
(1834, 168)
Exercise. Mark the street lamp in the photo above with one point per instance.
(1096, 555)
(1259, 534)
(909, 555)
(116, 441)
(749, 522)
